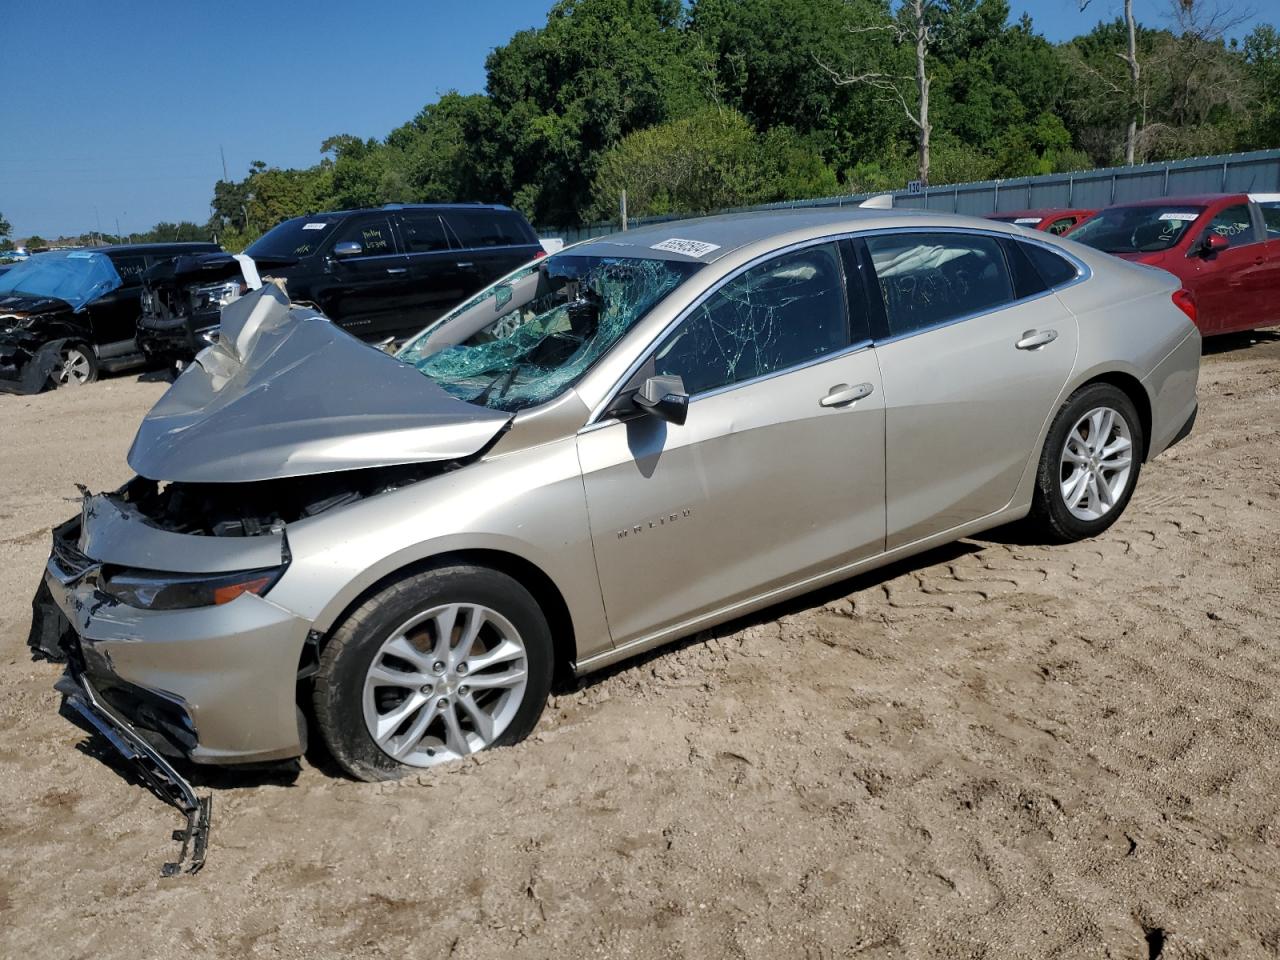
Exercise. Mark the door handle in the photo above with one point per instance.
(465, 265)
(1034, 339)
(396, 271)
(842, 394)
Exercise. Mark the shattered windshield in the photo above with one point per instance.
(1137, 229)
(293, 239)
(532, 335)
(76, 276)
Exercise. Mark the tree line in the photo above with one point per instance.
(704, 104)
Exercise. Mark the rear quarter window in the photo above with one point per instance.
(1055, 270)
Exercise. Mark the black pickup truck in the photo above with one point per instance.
(380, 272)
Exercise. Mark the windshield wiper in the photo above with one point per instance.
(506, 378)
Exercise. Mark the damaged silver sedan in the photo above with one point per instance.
(621, 444)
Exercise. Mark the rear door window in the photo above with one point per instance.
(374, 235)
(423, 232)
(1271, 218)
(928, 279)
(1233, 223)
(487, 228)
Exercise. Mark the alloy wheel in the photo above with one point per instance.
(1096, 461)
(75, 366)
(445, 684)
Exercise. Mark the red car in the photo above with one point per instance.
(1224, 247)
(1050, 221)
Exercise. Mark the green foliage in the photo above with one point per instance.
(706, 161)
(5, 228)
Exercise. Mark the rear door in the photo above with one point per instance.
(493, 243)
(1269, 209)
(1230, 287)
(365, 294)
(971, 369)
(437, 283)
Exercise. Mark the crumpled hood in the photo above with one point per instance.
(16, 306)
(285, 393)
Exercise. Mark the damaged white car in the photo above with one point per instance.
(623, 443)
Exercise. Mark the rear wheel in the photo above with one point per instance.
(1089, 465)
(77, 364)
(441, 665)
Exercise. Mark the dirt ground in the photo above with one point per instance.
(996, 750)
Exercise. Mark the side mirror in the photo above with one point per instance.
(663, 397)
(1213, 243)
(347, 248)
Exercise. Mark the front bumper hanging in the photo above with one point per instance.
(158, 774)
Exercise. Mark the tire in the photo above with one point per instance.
(1081, 472)
(433, 709)
(77, 365)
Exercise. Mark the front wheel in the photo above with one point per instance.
(443, 664)
(1089, 465)
(77, 364)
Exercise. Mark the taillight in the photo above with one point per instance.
(540, 254)
(1185, 301)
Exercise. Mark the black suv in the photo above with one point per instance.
(67, 314)
(381, 272)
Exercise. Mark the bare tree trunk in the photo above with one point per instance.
(922, 83)
(910, 93)
(1135, 77)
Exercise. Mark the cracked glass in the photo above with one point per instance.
(531, 336)
(779, 314)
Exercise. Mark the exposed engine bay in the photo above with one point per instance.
(265, 506)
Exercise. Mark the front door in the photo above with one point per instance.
(1229, 286)
(776, 475)
(970, 376)
(365, 293)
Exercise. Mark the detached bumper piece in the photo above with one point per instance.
(159, 775)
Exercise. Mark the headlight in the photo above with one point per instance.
(216, 294)
(150, 590)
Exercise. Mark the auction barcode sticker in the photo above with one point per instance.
(1179, 215)
(314, 226)
(690, 248)
(1028, 219)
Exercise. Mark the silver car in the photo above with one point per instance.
(623, 443)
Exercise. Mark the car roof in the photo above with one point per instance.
(1041, 212)
(183, 246)
(1199, 200)
(729, 232)
(501, 207)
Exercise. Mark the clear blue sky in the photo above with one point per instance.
(118, 110)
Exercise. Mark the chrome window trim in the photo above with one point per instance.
(1083, 272)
